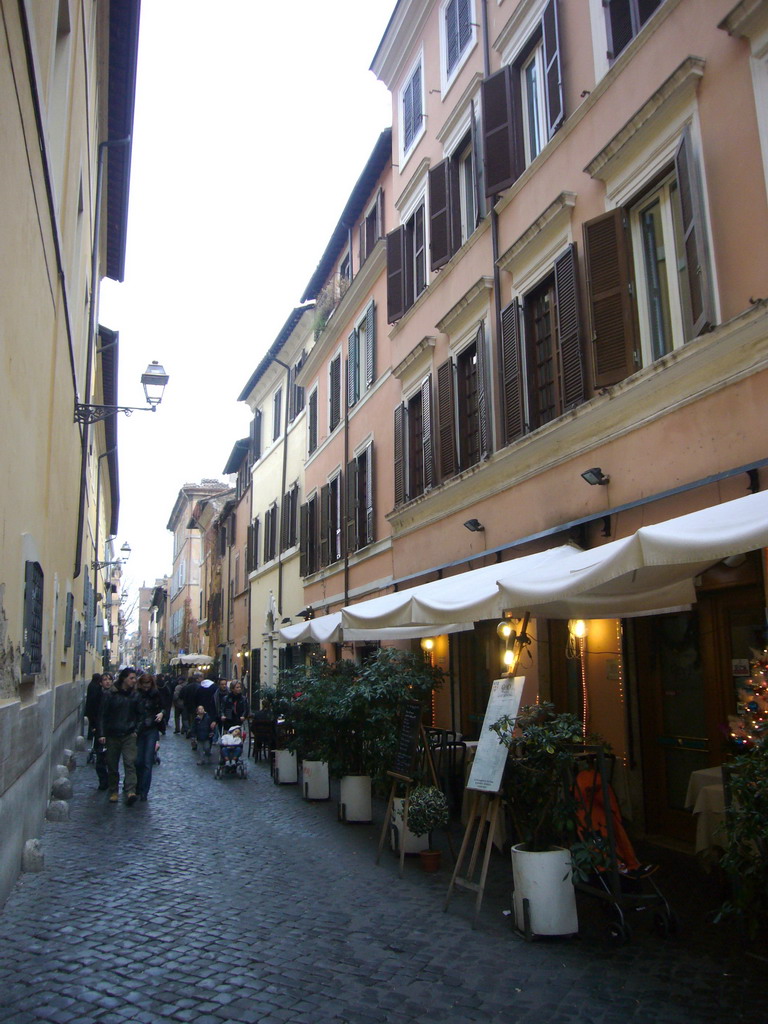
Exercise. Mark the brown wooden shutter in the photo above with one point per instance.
(446, 431)
(611, 300)
(256, 436)
(483, 403)
(477, 167)
(399, 454)
(352, 539)
(370, 522)
(312, 423)
(335, 398)
(568, 328)
(440, 247)
(325, 498)
(353, 364)
(427, 442)
(379, 215)
(697, 274)
(553, 73)
(502, 130)
(396, 274)
(513, 409)
(370, 344)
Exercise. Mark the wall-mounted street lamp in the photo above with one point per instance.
(125, 551)
(596, 477)
(154, 380)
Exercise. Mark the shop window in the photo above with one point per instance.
(648, 273)
(523, 105)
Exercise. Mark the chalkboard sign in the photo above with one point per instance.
(491, 756)
(408, 740)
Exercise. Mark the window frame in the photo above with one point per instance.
(450, 74)
(410, 134)
(361, 356)
(334, 391)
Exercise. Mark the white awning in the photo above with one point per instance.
(192, 659)
(652, 571)
(326, 629)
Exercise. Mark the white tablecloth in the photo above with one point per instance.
(706, 798)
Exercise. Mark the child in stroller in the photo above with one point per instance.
(231, 754)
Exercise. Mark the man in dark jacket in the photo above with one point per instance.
(119, 717)
(189, 694)
(97, 687)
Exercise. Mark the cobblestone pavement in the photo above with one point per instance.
(219, 902)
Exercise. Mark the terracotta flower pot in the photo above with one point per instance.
(430, 859)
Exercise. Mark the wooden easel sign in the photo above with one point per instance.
(484, 783)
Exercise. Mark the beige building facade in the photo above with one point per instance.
(67, 82)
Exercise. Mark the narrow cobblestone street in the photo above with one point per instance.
(236, 901)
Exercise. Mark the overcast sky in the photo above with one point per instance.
(253, 122)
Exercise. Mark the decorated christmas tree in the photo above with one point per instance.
(749, 726)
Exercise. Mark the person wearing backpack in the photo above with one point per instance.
(178, 707)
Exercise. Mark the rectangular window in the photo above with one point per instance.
(406, 264)
(624, 19)
(312, 423)
(334, 393)
(463, 423)
(295, 393)
(309, 537)
(252, 549)
(454, 201)
(32, 635)
(648, 274)
(361, 356)
(459, 32)
(523, 105)
(412, 108)
(270, 533)
(289, 519)
(372, 227)
(256, 436)
(360, 521)
(68, 617)
(277, 412)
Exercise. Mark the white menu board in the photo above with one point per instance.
(491, 756)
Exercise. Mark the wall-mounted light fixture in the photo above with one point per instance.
(428, 644)
(125, 551)
(154, 380)
(596, 476)
(474, 526)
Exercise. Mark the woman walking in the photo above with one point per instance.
(151, 724)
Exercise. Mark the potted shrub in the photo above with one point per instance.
(278, 701)
(541, 747)
(427, 810)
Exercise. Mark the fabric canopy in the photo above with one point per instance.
(652, 571)
(326, 629)
(192, 659)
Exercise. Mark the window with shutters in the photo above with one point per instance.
(624, 19)
(310, 537)
(333, 520)
(312, 422)
(270, 532)
(32, 636)
(648, 275)
(361, 356)
(277, 413)
(406, 264)
(289, 519)
(359, 510)
(411, 109)
(523, 105)
(68, 619)
(372, 227)
(541, 359)
(454, 200)
(334, 393)
(252, 546)
(463, 420)
(414, 445)
(256, 436)
(295, 393)
(458, 33)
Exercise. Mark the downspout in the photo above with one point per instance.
(103, 146)
(284, 479)
(494, 214)
(103, 455)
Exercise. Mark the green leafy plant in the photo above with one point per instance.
(541, 759)
(427, 810)
(746, 859)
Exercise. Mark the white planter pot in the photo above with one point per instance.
(355, 798)
(413, 843)
(315, 783)
(286, 769)
(544, 880)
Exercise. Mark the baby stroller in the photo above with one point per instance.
(231, 754)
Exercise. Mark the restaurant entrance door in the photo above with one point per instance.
(689, 665)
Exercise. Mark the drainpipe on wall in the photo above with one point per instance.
(103, 146)
(284, 479)
(494, 214)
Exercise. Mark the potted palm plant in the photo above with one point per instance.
(541, 748)
(427, 811)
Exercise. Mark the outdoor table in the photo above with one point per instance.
(706, 798)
